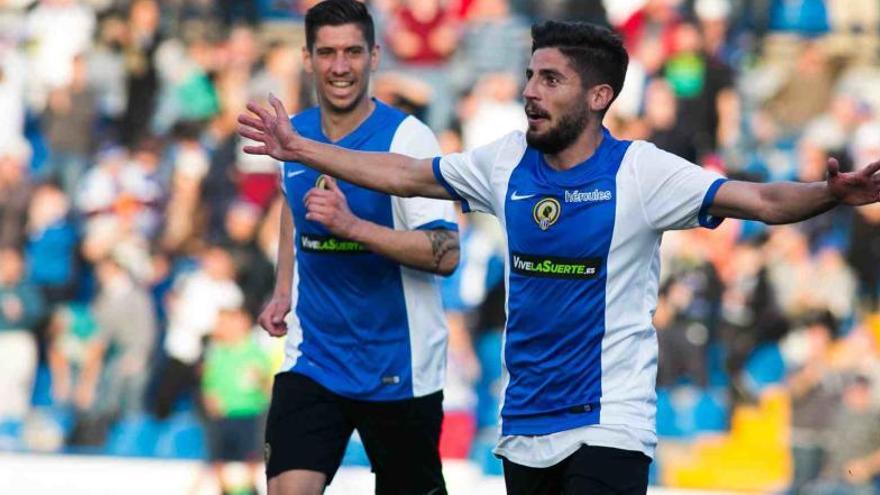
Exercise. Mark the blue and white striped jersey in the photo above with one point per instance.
(582, 272)
(362, 325)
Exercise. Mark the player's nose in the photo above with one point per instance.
(340, 66)
(530, 90)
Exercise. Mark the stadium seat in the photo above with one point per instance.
(754, 456)
(764, 367)
(42, 395)
(710, 412)
(10, 434)
(666, 417)
(182, 437)
(135, 436)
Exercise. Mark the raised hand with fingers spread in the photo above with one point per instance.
(272, 129)
(856, 188)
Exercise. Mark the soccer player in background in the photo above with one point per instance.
(366, 337)
(584, 214)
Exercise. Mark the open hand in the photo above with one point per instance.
(330, 208)
(857, 188)
(272, 130)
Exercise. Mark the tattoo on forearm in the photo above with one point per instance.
(443, 242)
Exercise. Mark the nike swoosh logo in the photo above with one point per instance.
(517, 197)
(294, 174)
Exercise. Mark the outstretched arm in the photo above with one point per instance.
(789, 202)
(386, 172)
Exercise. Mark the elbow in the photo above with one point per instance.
(770, 213)
(773, 216)
(449, 264)
(403, 181)
(401, 189)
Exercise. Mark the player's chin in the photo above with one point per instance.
(536, 133)
(346, 102)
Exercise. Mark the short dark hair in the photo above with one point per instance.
(595, 52)
(337, 13)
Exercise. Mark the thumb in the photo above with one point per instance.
(331, 185)
(833, 167)
(280, 111)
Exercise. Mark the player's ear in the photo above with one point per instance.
(375, 53)
(307, 59)
(599, 97)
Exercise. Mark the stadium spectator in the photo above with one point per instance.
(815, 395)
(115, 368)
(422, 36)
(15, 191)
(68, 125)
(140, 42)
(494, 39)
(195, 302)
(60, 30)
(253, 270)
(853, 443)
(51, 244)
(235, 384)
(72, 327)
(21, 309)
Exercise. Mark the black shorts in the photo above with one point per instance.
(234, 439)
(309, 427)
(591, 470)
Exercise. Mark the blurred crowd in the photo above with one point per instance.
(137, 241)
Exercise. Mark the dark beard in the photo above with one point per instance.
(351, 106)
(563, 134)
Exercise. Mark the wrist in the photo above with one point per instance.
(294, 148)
(833, 196)
(357, 230)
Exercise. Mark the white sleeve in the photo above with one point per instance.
(415, 139)
(468, 176)
(675, 193)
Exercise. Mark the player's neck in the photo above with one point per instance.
(337, 125)
(580, 150)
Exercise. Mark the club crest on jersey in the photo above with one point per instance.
(546, 212)
(321, 183)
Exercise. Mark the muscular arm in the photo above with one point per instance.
(433, 251)
(272, 316)
(284, 267)
(789, 202)
(391, 173)
(773, 203)
(386, 172)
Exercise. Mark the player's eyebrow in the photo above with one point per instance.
(551, 73)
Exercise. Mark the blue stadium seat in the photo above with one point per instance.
(764, 367)
(711, 412)
(42, 394)
(10, 434)
(181, 436)
(666, 417)
(134, 436)
(716, 355)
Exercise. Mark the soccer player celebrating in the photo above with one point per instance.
(584, 214)
(366, 345)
